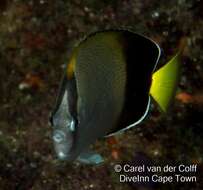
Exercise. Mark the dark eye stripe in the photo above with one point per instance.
(51, 119)
(72, 97)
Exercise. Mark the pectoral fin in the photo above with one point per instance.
(89, 157)
(165, 81)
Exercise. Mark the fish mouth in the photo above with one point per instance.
(62, 152)
(63, 142)
(64, 156)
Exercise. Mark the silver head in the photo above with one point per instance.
(63, 128)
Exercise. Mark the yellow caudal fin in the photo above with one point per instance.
(164, 82)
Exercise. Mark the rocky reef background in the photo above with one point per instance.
(36, 39)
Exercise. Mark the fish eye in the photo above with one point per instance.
(58, 136)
